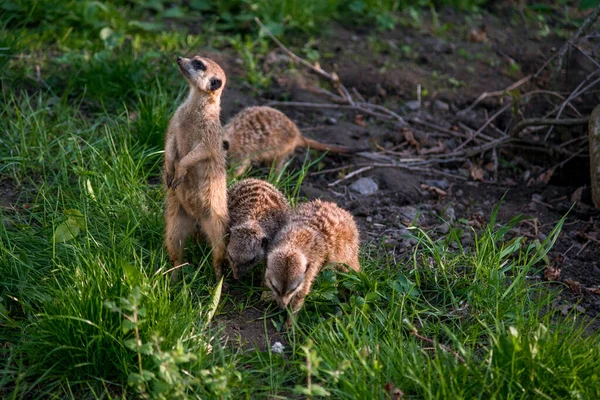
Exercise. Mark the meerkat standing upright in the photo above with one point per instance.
(266, 135)
(195, 172)
(317, 234)
(257, 211)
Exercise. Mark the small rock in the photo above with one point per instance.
(277, 348)
(438, 183)
(443, 228)
(413, 105)
(459, 193)
(467, 239)
(330, 121)
(408, 212)
(450, 214)
(364, 186)
(537, 197)
(369, 219)
(441, 106)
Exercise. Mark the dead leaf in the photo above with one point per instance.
(546, 176)
(410, 138)
(476, 173)
(552, 274)
(565, 308)
(576, 196)
(478, 35)
(437, 191)
(133, 116)
(359, 120)
(393, 391)
(476, 221)
(574, 286)
(593, 290)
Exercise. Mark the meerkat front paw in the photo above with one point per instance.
(179, 177)
(267, 296)
(169, 179)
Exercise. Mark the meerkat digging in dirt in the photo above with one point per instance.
(195, 166)
(257, 211)
(266, 135)
(318, 233)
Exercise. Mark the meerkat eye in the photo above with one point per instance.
(215, 83)
(198, 65)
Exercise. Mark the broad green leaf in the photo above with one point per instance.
(66, 231)
(214, 301)
(77, 216)
(146, 26)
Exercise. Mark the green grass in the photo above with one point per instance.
(83, 272)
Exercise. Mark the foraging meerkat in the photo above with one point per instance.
(195, 166)
(257, 211)
(266, 135)
(317, 234)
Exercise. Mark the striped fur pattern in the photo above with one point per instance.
(317, 234)
(257, 211)
(265, 135)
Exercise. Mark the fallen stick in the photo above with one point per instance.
(546, 121)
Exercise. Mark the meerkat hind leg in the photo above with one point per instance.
(214, 226)
(179, 226)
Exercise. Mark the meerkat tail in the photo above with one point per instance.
(313, 144)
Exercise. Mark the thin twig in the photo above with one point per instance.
(485, 95)
(544, 121)
(486, 123)
(576, 93)
(589, 21)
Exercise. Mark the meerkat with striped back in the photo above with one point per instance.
(266, 135)
(318, 233)
(257, 211)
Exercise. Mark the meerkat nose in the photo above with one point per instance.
(178, 58)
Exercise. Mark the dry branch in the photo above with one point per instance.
(587, 24)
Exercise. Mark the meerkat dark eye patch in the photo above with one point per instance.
(215, 84)
(225, 145)
(264, 243)
(198, 65)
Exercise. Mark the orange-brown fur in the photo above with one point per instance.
(318, 233)
(257, 211)
(266, 135)
(195, 166)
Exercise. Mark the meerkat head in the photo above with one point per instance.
(285, 274)
(203, 74)
(246, 248)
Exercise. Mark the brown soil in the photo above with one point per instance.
(454, 73)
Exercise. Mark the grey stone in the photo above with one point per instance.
(408, 212)
(331, 121)
(439, 105)
(364, 186)
(443, 228)
(413, 105)
(438, 183)
(450, 214)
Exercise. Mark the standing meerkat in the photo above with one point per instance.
(317, 234)
(257, 211)
(266, 135)
(195, 166)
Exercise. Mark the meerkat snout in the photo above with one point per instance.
(198, 71)
(285, 275)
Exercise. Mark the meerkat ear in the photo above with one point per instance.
(215, 83)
